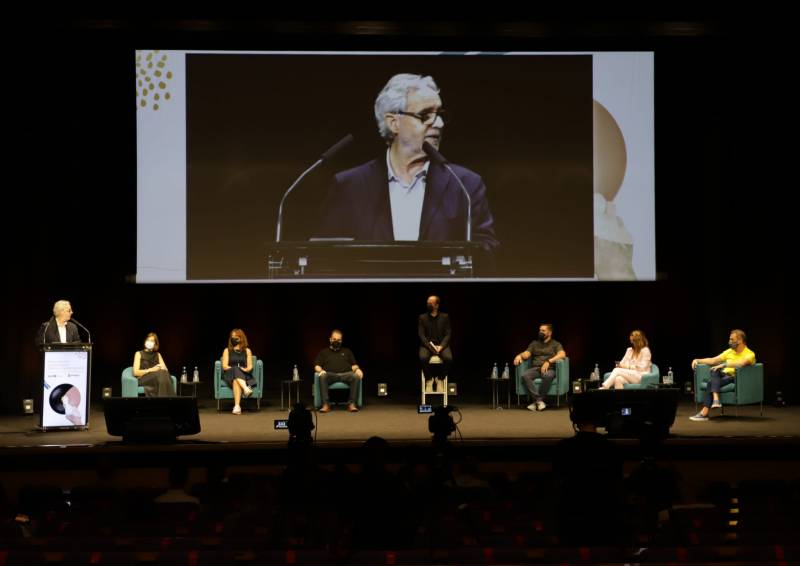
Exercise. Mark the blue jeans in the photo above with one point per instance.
(718, 381)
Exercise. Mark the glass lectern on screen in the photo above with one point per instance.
(368, 166)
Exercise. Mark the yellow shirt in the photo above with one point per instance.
(730, 355)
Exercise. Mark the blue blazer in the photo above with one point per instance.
(358, 206)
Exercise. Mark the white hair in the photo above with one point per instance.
(394, 96)
(59, 306)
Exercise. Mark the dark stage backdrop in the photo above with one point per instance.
(722, 243)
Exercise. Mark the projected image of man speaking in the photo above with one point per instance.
(403, 195)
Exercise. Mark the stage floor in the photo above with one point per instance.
(402, 423)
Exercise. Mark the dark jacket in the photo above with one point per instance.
(430, 327)
(358, 206)
(48, 332)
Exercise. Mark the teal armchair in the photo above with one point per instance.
(747, 387)
(222, 391)
(559, 387)
(131, 387)
(649, 380)
(338, 385)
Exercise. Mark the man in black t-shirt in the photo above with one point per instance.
(335, 364)
(542, 352)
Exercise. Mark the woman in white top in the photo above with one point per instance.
(633, 366)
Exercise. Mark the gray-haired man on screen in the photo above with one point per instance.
(402, 195)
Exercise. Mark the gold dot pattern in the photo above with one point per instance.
(152, 70)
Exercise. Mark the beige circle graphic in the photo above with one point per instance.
(610, 155)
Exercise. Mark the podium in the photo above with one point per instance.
(343, 259)
(66, 386)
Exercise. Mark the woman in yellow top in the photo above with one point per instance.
(723, 370)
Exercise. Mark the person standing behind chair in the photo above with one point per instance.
(151, 371)
(335, 364)
(59, 329)
(634, 364)
(723, 370)
(543, 352)
(434, 336)
(237, 368)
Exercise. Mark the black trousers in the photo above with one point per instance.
(329, 377)
(435, 370)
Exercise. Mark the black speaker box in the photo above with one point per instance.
(627, 413)
(151, 419)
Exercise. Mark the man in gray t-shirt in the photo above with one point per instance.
(543, 353)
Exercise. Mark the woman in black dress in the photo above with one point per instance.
(237, 367)
(150, 369)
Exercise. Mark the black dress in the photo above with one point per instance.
(156, 383)
(237, 360)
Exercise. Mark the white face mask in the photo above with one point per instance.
(149, 344)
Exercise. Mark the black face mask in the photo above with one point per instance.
(336, 344)
(542, 336)
(732, 345)
(235, 341)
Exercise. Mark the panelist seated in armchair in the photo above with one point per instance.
(543, 352)
(337, 364)
(237, 367)
(636, 363)
(723, 370)
(151, 371)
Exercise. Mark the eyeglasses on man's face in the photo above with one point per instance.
(427, 117)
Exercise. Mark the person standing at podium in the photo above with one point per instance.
(151, 371)
(59, 329)
(401, 195)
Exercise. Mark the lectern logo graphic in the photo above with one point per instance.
(152, 79)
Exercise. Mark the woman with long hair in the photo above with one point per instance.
(635, 363)
(237, 367)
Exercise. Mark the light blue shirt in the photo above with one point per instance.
(406, 202)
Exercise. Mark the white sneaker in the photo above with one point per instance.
(698, 417)
(540, 406)
(247, 390)
(716, 405)
(532, 407)
(237, 410)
